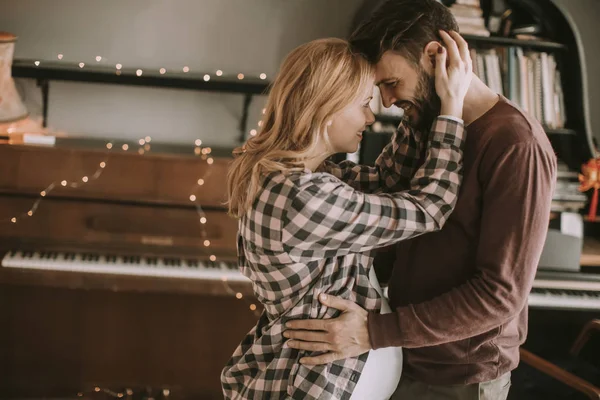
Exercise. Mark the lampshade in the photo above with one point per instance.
(11, 107)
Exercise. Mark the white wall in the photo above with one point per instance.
(248, 36)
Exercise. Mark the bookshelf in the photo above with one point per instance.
(539, 45)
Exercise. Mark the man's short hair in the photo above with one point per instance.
(403, 26)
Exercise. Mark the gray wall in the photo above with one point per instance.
(248, 36)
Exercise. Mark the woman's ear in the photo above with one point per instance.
(428, 56)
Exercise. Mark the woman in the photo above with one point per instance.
(307, 226)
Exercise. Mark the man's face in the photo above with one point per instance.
(409, 87)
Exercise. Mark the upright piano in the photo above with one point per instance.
(123, 279)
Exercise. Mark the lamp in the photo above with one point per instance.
(14, 117)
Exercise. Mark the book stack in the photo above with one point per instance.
(530, 79)
(469, 16)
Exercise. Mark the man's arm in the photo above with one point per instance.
(516, 206)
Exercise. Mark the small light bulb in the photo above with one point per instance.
(85, 179)
(238, 295)
(119, 66)
(125, 147)
(64, 183)
(142, 142)
(148, 139)
(260, 123)
(208, 150)
(253, 132)
(203, 220)
(140, 151)
(210, 161)
(206, 78)
(98, 58)
(198, 142)
(192, 198)
(118, 73)
(147, 147)
(162, 71)
(264, 111)
(213, 258)
(102, 164)
(79, 394)
(186, 69)
(37, 63)
(200, 181)
(81, 65)
(240, 76)
(60, 56)
(30, 213)
(207, 243)
(139, 72)
(96, 389)
(253, 307)
(43, 193)
(263, 76)
(13, 220)
(109, 146)
(219, 72)
(197, 150)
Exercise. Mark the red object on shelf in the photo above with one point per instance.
(590, 179)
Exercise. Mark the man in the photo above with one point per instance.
(459, 296)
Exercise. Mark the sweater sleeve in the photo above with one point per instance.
(518, 189)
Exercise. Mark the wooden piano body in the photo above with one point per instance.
(64, 332)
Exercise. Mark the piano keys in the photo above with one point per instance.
(565, 291)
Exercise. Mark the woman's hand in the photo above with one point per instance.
(453, 73)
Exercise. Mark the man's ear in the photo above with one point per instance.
(428, 56)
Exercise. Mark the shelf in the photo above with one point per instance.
(58, 71)
(504, 41)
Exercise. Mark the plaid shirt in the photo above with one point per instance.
(311, 232)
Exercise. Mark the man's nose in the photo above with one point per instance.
(388, 99)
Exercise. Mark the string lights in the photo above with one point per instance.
(144, 144)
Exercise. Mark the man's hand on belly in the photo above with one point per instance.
(342, 337)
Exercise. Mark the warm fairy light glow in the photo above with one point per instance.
(84, 179)
(64, 183)
(238, 295)
(30, 213)
(213, 258)
(264, 111)
(260, 123)
(253, 307)
(140, 151)
(147, 147)
(200, 181)
(198, 142)
(37, 63)
(240, 76)
(13, 220)
(125, 147)
(139, 72)
(81, 65)
(203, 220)
(43, 193)
(162, 71)
(60, 56)
(186, 69)
(109, 146)
(192, 197)
(263, 76)
(207, 243)
(148, 139)
(197, 151)
(206, 78)
(219, 72)
(253, 132)
(98, 58)
(102, 164)
(119, 66)
(210, 161)
(141, 142)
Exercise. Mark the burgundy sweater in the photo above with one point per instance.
(460, 295)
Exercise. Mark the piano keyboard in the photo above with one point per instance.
(186, 268)
(565, 295)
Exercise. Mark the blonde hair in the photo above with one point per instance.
(316, 80)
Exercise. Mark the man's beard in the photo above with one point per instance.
(427, 101)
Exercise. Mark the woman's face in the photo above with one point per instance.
(347, 126)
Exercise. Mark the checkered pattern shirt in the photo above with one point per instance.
(312, 232)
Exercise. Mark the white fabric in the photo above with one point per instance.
(381, 373)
